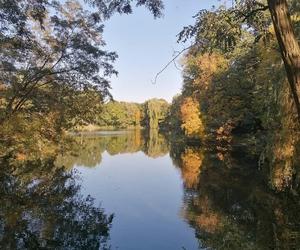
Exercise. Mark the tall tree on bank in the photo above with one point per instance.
(249, 12)
(289, 46)
(281, 19)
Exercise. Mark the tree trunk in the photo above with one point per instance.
(289, 46)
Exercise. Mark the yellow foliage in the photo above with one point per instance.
(205, 67)
(190, 116)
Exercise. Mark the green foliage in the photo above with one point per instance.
(213, 30)
(114, 115)
(109, 7)
(58, 51)
(172, 120)
(29, 137)
(119, 115)
(87, 150)
(155, 112)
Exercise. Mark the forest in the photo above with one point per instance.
(237, 85)
(240, 95)
(121, 115)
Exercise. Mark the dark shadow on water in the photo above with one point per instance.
(229, 204)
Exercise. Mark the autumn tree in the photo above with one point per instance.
(190, 116)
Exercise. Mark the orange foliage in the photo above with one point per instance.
(205, 218)
(21, 157)
(191, 164)
(224, 133)
(208, 220)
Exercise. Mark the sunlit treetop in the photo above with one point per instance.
(52, 48)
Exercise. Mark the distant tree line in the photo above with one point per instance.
(113, 114)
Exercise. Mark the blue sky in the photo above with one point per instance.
(145, 45)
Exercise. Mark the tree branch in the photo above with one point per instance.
(169, 63)
(253, 12)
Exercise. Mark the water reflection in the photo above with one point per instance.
(228, 203)
(87, 149)
(41, 208)
(226, 198)
(223, 196)
(138, 183)
(155, 144)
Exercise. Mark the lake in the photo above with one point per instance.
(134, 189)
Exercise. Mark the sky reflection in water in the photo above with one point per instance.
(145, 194)
(175, 196)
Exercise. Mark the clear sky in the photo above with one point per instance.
(145, 45)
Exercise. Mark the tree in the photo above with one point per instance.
(51, 50)
(190, 116)
(155, 112)
(288, 44)
(213, 30)
(52, 56)
(109, 7)
(119, 115)
(285, 34)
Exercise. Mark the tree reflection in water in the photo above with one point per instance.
(226, 198)
(227, 202)
(155, 144)
(41, 208)
(87, 150)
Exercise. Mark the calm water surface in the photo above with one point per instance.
(142, 188)
(145, 195)
(132, 190)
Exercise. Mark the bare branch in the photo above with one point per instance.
(169, 63)
(176, 66)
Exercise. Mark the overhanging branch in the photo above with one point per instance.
(169, 63)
